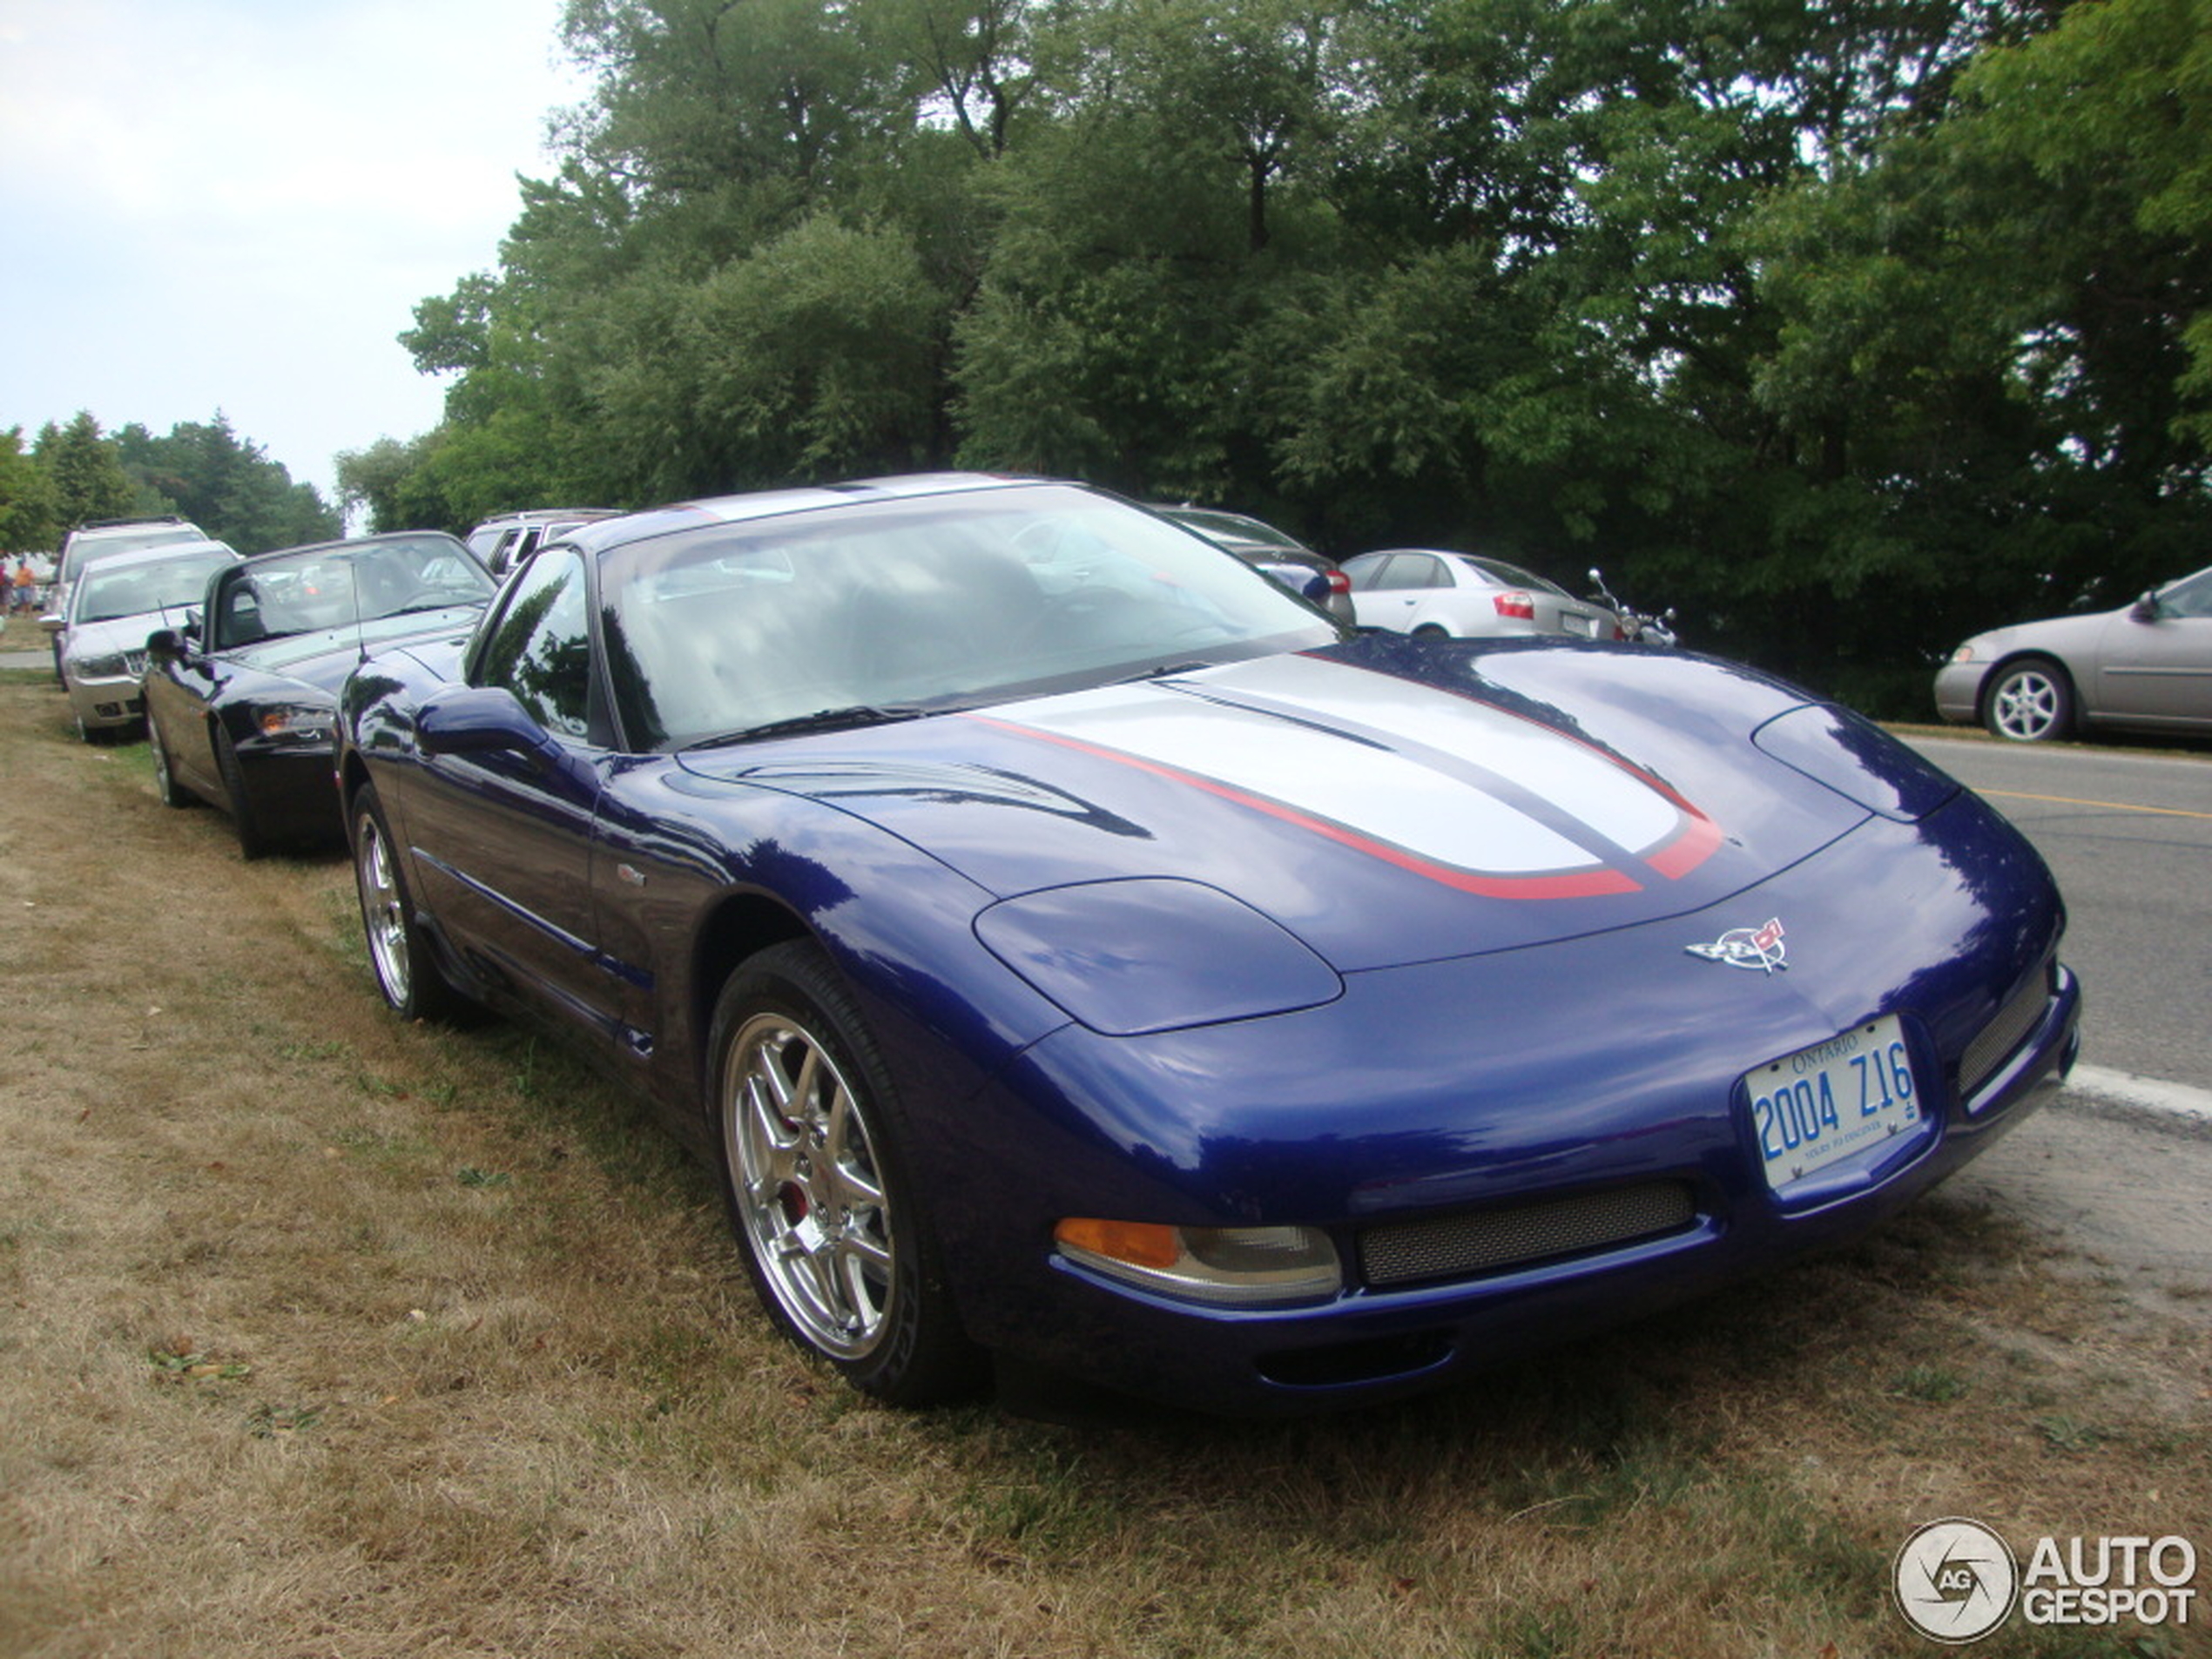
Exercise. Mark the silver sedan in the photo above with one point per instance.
(2147, 665)
(1430, 594)
(115, 603)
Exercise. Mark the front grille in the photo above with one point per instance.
(1491, 1241)
(1994, 1045)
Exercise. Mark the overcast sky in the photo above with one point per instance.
(236, 204)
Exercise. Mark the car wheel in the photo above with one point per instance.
(164, 780)
(252, 841)
(2030, 703)
(406, 972)
(836, 1235)
(1432, 630)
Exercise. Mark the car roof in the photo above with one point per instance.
(545, 516)
(166, 551)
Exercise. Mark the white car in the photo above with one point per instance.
(1432, 593)
(113, 605)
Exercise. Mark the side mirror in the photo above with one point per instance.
(165, 645)
(477, 719)
(2147, 609)
(53, 622)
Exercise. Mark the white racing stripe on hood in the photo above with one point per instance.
(1372, 791)
(1585, 785)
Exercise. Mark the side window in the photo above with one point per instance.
(541, 647)
(1411, 570)
(1361, 572)
(2190, 598)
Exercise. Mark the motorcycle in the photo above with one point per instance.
(1637, 627)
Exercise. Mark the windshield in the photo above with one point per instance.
(136, 590)
(1512, 576)
(344, 584)
(1233, 527)
(951, 601)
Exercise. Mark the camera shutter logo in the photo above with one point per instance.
(1955, 1580)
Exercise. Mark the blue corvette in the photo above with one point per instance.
(1069, 946)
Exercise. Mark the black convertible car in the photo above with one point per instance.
(241, 702)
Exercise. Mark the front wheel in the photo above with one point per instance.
(406, 972)
(2030, 703)
(164, 778)
(253, 842)
(836, 1233)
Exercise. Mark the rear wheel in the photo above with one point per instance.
(2030, 701)
(836, 1233)
(406, 972)
(1432, 630)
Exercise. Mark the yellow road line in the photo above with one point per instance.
(2110, 806)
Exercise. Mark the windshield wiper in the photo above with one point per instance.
(852, 714)
(1165, 670)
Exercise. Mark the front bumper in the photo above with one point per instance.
(107, 702)
(1606, 1071)
(294, 786)
(1957, 692)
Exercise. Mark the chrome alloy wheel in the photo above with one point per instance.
(810, 1199)
(383, 909)
(2028, 704)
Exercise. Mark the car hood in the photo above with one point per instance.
(119, 633)
(324, 659)
(1384, 800)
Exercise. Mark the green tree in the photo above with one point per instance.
(29, 519)
(85, 470)
(227, 485)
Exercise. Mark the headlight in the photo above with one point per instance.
(1964, 653)
(299, 721)
(107, 666)
(1147, 955)
(1246, 1266)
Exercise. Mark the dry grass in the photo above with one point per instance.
(324, 1336)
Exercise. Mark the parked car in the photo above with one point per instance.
(2147, 665)
(1152, 979)
(504, 542)
(1272, 552)
(1433, 594)
(241, 702)
(96, 540)
(114, 603)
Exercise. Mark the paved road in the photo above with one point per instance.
(2130, 839)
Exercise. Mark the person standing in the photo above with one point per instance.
(26, 583)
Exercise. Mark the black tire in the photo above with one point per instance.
(253, 842)
(1432, 630)
(165, 779)
(834, 1229)
(2029, 702)
(406, 972)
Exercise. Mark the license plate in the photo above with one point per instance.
(1586, 626)
(1820, 1105)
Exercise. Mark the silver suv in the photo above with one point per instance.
(96, 540)
(506, 541)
